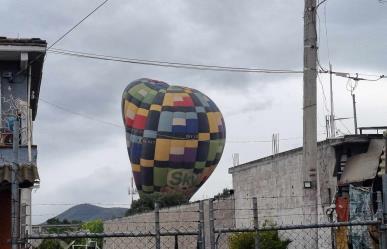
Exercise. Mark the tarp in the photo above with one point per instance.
(342, 238)
(363, 166)
(342, 209)
(360, 210)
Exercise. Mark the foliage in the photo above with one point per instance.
(94, 226)
(224, 194)
(267, 239)
(50, 244)
(56, 221)
(146, 202)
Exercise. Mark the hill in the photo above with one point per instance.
(86, 212)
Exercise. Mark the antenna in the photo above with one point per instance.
(235, 159)
(275, 143)
(328, 126)
(132, 190)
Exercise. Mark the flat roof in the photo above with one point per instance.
(364, 138)
(11, 49)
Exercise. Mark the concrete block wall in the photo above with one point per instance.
(277, 183)
(183, 218)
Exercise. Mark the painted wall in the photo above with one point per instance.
(9, 91)
(12, 89)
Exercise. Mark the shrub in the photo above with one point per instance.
(267, 239)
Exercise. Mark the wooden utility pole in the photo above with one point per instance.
(310, 116)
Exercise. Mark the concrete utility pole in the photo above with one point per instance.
(15, 188)
(310, 115)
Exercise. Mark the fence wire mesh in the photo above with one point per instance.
(330, 236)
(219, 224)
(359, 235)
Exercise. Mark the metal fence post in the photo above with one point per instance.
(211, 223)
(157, 225)
(379, 212)
(201, 231)
(176, 241)
(256, 224)
(15, 219)
(383, 232)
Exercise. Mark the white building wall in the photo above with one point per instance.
(277, 183)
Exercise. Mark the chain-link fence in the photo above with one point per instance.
(174, 240)
(218, 224)
(360, 235)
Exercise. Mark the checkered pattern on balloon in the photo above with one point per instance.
(175, 136)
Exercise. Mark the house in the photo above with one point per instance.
(21, 64)
(344, 164)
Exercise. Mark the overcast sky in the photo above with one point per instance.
(81, 160)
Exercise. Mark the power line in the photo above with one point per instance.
(326, 32)
(77, 24)
(80, 114)
(203, 67)
(90, 117)
(356, 75)
(172, 64)
(64, 35)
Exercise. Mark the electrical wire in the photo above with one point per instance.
(349, 132)
(80, 114)
(76, 25)
(320, 3)
(326, 33)
(169, 64)
(95, 119)
(63, 36)
(323, 94)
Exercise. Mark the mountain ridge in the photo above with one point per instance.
(86, 212)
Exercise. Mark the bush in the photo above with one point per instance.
(267, 239)
(50, 244)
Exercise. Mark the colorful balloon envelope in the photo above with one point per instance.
(175, 136)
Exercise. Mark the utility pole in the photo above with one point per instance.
(332, 117)
(15, 229)
(310, 115)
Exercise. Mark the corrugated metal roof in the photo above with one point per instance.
(363, 166)
(27, 175)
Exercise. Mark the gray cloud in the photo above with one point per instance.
(247, 33)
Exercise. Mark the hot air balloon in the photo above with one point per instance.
(175, 136)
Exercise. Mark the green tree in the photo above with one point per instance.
(224, 194)
(93, 226)
(50, 244)
(267, 239)
(147, 201)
